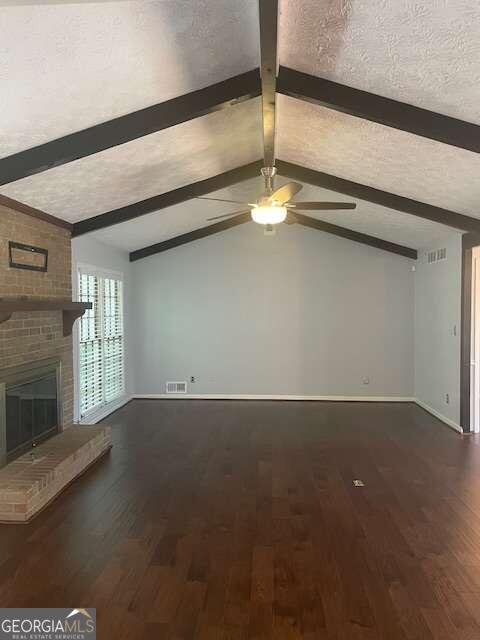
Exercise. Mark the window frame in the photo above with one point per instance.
(96, 413)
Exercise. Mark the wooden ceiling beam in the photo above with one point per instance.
(268, 14)
(293, 218)
(391, 113)
(130, 127)
(168, 199)
(185, 238)
(306, 221)
(376, 196)
(355, 236)
(292, 171)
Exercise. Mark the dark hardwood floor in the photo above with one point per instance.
(235, 520)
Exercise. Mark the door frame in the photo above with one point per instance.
(469, 241)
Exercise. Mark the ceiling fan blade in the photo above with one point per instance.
(291, 218)
(286, 192)
(322, 206)
(228, 215)
(221, 200)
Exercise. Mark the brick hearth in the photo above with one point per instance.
(30, 482)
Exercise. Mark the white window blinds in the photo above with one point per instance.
(101, 341)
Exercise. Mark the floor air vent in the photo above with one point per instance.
(176, 387)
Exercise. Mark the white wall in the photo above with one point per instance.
(300, 313)
(437, 349)
(86, 250)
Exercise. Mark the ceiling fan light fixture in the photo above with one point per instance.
(269, 215)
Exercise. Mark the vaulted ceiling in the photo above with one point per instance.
(67, 67)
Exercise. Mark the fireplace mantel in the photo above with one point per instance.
(71, 310)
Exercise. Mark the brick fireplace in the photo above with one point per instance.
(30, 337)
(36, 339)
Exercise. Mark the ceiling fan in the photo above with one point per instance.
(275, 206)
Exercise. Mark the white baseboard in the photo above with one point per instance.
(102, 413)
(114, 406)
(224, 396)
(437, 414)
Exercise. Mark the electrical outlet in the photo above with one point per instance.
(447, 398)
(454, 329)
(366, 380)
(192, 378)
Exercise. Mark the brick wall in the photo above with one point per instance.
(28, 337)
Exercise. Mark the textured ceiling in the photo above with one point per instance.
(68, 66)
(378, 156)
(184, 217)
(146, 167)
(379, 221)
(424, 52)
(174, 221)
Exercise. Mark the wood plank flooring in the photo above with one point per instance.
(239, 520)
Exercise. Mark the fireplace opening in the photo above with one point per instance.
(31, 407)
(31, 412)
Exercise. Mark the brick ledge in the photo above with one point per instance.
(27, 486)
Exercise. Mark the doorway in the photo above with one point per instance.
(475, 342)
(470, 349)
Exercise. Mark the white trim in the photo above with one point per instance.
(104, 411)
(93, 270)
(444, 419)
(76, 352)
(225, 396)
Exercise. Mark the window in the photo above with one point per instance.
(101, 341)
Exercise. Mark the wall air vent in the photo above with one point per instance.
(441, 254)
(176, 387)
(437, 255)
